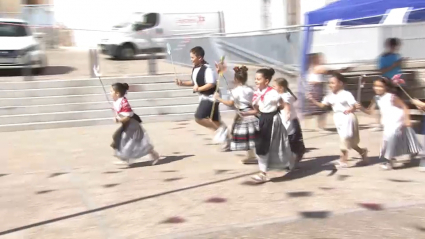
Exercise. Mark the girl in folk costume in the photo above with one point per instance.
(398, 138)
(290, 118)
(130, 140)
(244, 127)
(343, 105)
(271, 142)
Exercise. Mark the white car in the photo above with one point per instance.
(19, 47)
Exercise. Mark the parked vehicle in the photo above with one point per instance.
(146, 32)
(19, 47)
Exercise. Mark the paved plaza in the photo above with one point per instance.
(61, 183)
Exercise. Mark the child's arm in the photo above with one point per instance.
(319, 104)
(419, 104)
(206, 87)
(400, 104)
(123, 119)
(184, 83)
(254, 111)
(225, 102)
(369, 109)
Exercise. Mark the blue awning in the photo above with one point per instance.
(364, 12)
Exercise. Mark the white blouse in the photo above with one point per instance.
(341, 101)
(267, 100)
(242, 96)
(392, 117)
(290, 100)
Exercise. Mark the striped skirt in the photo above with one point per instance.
(317, 91)
(243, 133)
(403, 142)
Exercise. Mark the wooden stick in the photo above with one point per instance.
(404, 91)
(214, 101)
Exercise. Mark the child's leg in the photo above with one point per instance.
(363, 153)
(344, 156)
(262, 164)
(203, 114)
(344, 146)
(321, 121)
(208, 124)
(251, 157)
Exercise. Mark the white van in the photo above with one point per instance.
(146, 32)
(19, 47)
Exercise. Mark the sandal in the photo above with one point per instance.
(388, 165)
(260, 178)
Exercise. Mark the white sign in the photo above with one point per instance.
(396, 16)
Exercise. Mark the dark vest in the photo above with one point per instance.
(200, 80)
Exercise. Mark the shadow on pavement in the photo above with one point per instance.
(168, 159)
(57, 219)
(309, 168)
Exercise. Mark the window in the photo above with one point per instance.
(149, 20)
(11, 29)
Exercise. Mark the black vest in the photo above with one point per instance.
(200, 80)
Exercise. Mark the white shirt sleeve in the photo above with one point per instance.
(234, 94)
(287, 98)
(350, 99)
(210, 77)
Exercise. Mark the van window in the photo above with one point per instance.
(149, 20)
(13, 29)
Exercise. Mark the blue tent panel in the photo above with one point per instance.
(363, 12)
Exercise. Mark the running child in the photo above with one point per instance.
(130, 140)
(271, 142)
(398, 137)
(343, 105)
(244, 127)
(204, 82)
(290, 119)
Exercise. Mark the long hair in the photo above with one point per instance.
(284, 83)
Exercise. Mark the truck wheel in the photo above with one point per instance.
(126, 52)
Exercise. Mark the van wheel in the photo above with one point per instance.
(126, 52)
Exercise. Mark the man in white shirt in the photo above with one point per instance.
(204, 81)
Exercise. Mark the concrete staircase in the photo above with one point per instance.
(72, 103)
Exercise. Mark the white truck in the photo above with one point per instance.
(147, 32)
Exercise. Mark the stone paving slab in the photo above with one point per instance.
(61, 183)
(398, 223)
